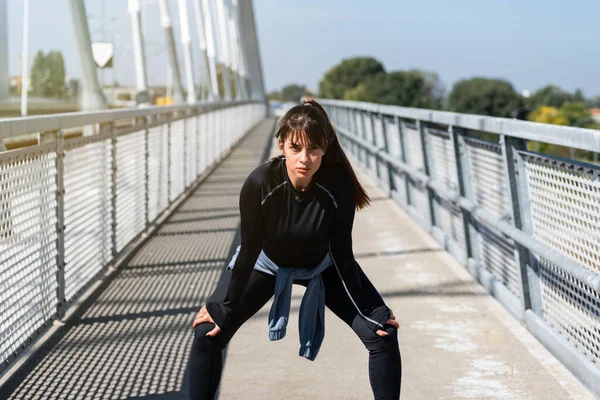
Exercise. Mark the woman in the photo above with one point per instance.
(297, 212)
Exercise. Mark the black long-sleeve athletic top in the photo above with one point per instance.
(297, 229)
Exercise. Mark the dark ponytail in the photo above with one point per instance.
(311, 118)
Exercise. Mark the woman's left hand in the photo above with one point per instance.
(391, 321)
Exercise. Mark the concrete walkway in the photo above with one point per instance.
(134, 338)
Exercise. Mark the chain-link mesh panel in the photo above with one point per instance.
(487, 176)
(497, 257)
(412, 140)
(393, 138)
(367, 134)
(204, 152)
(131, 187)
(565, 208)
(27, 245)
(228, 131)
(572, 309)
(191, 150)
(444, 164)
(177, 159)
(420, 202)
(451, 222)
(88, 210)
(357, 132)
(381, 167)
(158, 170)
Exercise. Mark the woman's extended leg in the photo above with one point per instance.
(206, 361)
(385, 364)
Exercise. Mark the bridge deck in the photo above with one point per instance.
(133, 340)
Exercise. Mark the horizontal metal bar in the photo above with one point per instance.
(12, 127)
(27, 152)
(566, 264)
(579, 138)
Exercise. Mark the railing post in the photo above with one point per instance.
(405, 157)
(374, 143)
(391, 186)
(363, 134)
(113, 188)
(519, 205)
(60, 224)
(429, 171)
(354, 131)
(464, 179)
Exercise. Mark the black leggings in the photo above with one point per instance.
(205, 364)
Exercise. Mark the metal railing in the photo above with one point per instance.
(70, 206)
(526, 225)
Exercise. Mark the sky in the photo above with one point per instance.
(530, 43)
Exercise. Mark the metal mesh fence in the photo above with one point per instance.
(412, 139)
(27, 245)
(451, 222)
(131, 187)
(571, 308)
(204, 150)
(177, 159)
(558, 213)
(487, 176)
(496, 255)
(565, 208)
(191, 149)
(88, 210)
(102, 209)
(444, 165)
(158, 170)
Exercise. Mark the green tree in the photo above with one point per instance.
(347, 75)
(274, 95)
(293, 92)
(412, 88)
(48, 75)
(38, 77)
(593, 102)
(577, 114)
(494, 97)
(548, 115)
(550, 95)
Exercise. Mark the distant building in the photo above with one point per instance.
(14, 83)
(595, 113)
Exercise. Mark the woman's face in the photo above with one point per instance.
(302, 158)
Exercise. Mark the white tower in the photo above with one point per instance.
(3, 51)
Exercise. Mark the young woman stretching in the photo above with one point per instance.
(297, 212)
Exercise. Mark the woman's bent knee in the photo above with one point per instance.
(374, 342)
(201, 341)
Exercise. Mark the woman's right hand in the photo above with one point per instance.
(204, 316)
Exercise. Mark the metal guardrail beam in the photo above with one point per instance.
(12, 127)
